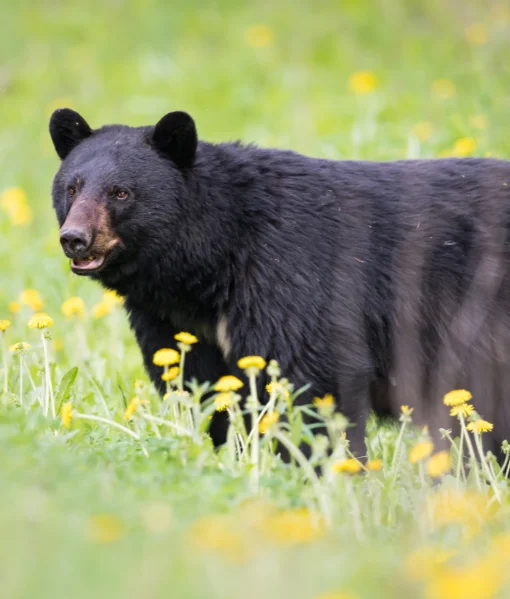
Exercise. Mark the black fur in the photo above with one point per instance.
(382, 283)
(67, 130)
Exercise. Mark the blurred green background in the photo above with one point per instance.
(381, 79)
(271, 72)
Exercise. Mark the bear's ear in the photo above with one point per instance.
(67, 130)
(176, 136)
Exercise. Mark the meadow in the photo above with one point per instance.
(108, 490)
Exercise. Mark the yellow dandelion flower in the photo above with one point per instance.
(362, 82)
(14, 203)
(426, 561)
(324, 402)
(101, 309)
(165, 357)
(268, 421)
(186, 338)
(464, 409)
(279, 389)
(480, 426)
(480, 580)
(349, 466)
(406, 410)
(420, 451)
(4, 325)
(22, 216)
(40, 320)
(259, 36)
(131, 409)
(251, 362)
(20, 347)
(479, 121)
(218, 534)
(74, 306)
(373, 465)
(171, 374)
(476, 34)
(443, 88)
(294, 526)
(112, 298)
(423, 131)
(14, 307)
(270, 387)
(12, 195)
(468, 509)
(457, 397)
(105, 528)
(223, 401)
(32, 298)
(66, 414)
(106, 305)
(464, 146)
(228, 383)
(439, 464)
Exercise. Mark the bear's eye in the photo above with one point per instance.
(71, 191)
(121, 194)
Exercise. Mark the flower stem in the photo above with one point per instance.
(31, 380)
(6, 368)
(460, 458)
(171, 425)
(503, 467)
(106, 421)
(493, 482)
(49, 397)
(154, 426)
(234, 421)
(180, 380)
(396, 453)
(471, 452)
(310, 473)
(21, 379)
(267, 408)
(356, 512)
(254, 405)
(460, 455)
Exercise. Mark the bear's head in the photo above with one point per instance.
(116, 187)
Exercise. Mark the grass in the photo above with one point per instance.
(84, 511)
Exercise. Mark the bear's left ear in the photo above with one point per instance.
(67, 130)
(176, 136)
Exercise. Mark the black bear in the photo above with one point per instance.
(379, 282)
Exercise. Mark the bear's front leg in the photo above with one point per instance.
(354, 397)
(204, 362)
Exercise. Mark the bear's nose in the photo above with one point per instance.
(74, 241)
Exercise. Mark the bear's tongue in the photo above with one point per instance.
(88, 263)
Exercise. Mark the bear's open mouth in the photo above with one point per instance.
(92, 263)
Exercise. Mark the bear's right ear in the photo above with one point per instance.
(67, 130)
(176, 136)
